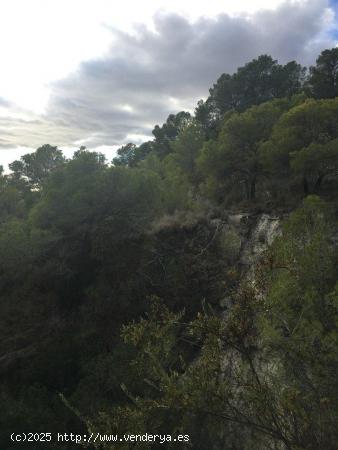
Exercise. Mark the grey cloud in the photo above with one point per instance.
(149, 74)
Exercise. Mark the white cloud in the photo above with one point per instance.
(133, 77)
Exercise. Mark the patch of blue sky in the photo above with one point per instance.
(333, 30)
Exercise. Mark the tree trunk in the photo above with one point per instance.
(318, 183)
(247, 190)
(253, 189)
(305, 185)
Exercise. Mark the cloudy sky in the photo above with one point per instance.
(101, 73)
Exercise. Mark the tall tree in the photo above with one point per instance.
(304, 140)
(168, 132)
(36, 166)
(125, 155)
(323, 79)
(187, 146)
(236, 153)
(130, 155)
(258, 81)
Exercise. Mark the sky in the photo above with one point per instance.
(102, 73)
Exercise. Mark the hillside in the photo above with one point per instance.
(187, 287)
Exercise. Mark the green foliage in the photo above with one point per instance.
(316, 162)
(304, 140)
(264, 376)
(38, 165)
(236, 154)
(259, 81)
(323, 81)
(12, 202)
(174, 186)
(300, 323)
(84, 244)
(186, 148)
(130, 155)
(126, 155)
(168, 132)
